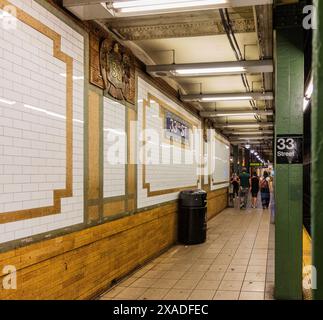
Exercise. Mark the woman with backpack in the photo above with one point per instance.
(254, 189)
(265, 190)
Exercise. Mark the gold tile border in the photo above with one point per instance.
(163, 106)
(58, 54)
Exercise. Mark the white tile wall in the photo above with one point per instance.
(115, 148)
(32, 123)
(220, 165)
(162, 176)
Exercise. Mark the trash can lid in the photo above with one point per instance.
(193, 192)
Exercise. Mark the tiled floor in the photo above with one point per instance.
(236, 262)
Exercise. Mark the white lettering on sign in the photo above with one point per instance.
(283, 144)
(285, 154)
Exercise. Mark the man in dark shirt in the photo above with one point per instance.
(244, 188)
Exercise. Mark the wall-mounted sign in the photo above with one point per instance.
(289, 149)
(176, 128)
(257, 165)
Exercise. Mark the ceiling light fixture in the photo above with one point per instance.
(227, 97)
(213, 114)
(210, 68)
(186, 72)
(152, 5)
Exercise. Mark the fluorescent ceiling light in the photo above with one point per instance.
(211, 99)
(206, 71)
(227, 97)
(236, 113)
(157, 5)
(259, 132)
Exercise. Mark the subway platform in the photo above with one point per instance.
(235, 263)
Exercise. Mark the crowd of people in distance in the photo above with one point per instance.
(243, 184)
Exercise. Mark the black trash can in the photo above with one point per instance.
(192, 217)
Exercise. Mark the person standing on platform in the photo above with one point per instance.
(254, 190)
(244, 188)
(235, 184)
(265, 190)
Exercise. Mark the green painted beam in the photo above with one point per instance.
(289, 178)
(317, 152)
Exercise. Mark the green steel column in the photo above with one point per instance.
(317, 152)
(235, 159)
(289, 178)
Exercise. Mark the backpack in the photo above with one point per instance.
(264, 184)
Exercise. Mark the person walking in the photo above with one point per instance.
(254, 190)
(235, 184)
(265, 190)
(244, 188)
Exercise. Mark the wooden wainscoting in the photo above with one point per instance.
(217, 202)
(82, 264)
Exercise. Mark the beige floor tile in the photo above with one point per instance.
(112, 293)
(154, 294)
(143, 283)
(199, 268)
(270, 277)
(255, 256)
(164, 283)
(208, 285)
(213, 275)
(255, 276)
(235, 268)
(218, 268)
(173, 275)
(226, 295)
(181, 267)
(163, 267)
(192, 275)
(251, 295)
(258, 262)
(240, 262)
(252, 286)
(255, 269)
(154, 274)
(202, 261)
(234, 276)
(128, 281)
(202, 295)
(230, 285)
(130, 293)
(177, 294)
(186, 284)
